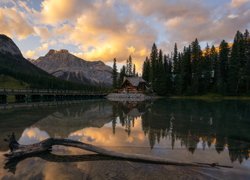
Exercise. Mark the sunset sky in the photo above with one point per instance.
(104, 29)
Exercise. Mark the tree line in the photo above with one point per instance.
(222, 70)
(128, 70)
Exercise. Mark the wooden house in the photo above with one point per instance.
(133, 85)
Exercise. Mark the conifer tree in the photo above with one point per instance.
(160, 83)
(153, 63)
(234, 64)
(247, 55)
(134, 71)
(114, 74)
(129, 66)
(223, 67)
(168, 75)
(215, 68)
(146, 70)
(196, 55)
(122, 75)
(206, 70)
(186, 70)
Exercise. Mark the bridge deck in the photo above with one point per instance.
(49, 92)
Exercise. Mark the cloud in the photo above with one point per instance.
(30, 54)
(13, 23)
(55, 11)
(105, 29)
(103, 33)
(238, 3)
(186, 20)
(42, 32)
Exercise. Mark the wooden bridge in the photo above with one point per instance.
(37, 95)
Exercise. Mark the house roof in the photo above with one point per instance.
(135, 81)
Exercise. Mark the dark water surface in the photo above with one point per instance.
(179, 130)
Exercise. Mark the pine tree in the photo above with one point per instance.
(153, 64)
(122, 75)
(175, 59)
(146, 70)
(234, 65)
(134, 71)
(168, 75)
(176, 71)
(160, 82)
(186, 70)
(206, 70)
(129, 66)
(247, 55)
(196, 55)
(114, 74)
(215, 68)
(223, 67)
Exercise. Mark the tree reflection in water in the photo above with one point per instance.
(224, 124)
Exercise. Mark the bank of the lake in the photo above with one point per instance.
(211, 97)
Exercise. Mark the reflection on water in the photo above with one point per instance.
(217, 130)
(194, 124)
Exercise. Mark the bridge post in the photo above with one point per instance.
(3, 99)
(20, 98)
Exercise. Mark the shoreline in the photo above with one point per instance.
(211, 97)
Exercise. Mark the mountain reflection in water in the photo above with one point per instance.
(164, 124)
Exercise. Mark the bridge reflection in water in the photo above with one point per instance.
(36, 95)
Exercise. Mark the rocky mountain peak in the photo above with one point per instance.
(8, 46)
(64, 65)
(53, 52)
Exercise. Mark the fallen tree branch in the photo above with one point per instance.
(19, 151)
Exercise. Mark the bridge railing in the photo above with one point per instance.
(51, 91)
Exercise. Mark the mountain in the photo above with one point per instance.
(14, 65)
(7, 46)
(12, 61)
(65, 65)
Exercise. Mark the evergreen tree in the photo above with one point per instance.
(175, 59)
(146, 70)
(114, 74)
(153, 64)
(168, 75)
(206, 70)
(134, 71)
(196, 55)
(247, 55)
(160, 83)
(129, 66)
(122, 75)
(234, 64)
(215, 68)
(186, 70)
(223, 67)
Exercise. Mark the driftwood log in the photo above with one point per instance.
(18, 151)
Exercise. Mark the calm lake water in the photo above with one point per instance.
(179, 130)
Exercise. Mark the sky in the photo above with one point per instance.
(108, 29)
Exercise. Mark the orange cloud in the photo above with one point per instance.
(13, 23)
(55, 11)
(104, 136)
(238, 3)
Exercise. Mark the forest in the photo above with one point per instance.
(223, 70)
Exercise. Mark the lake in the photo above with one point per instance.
(178, 130)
